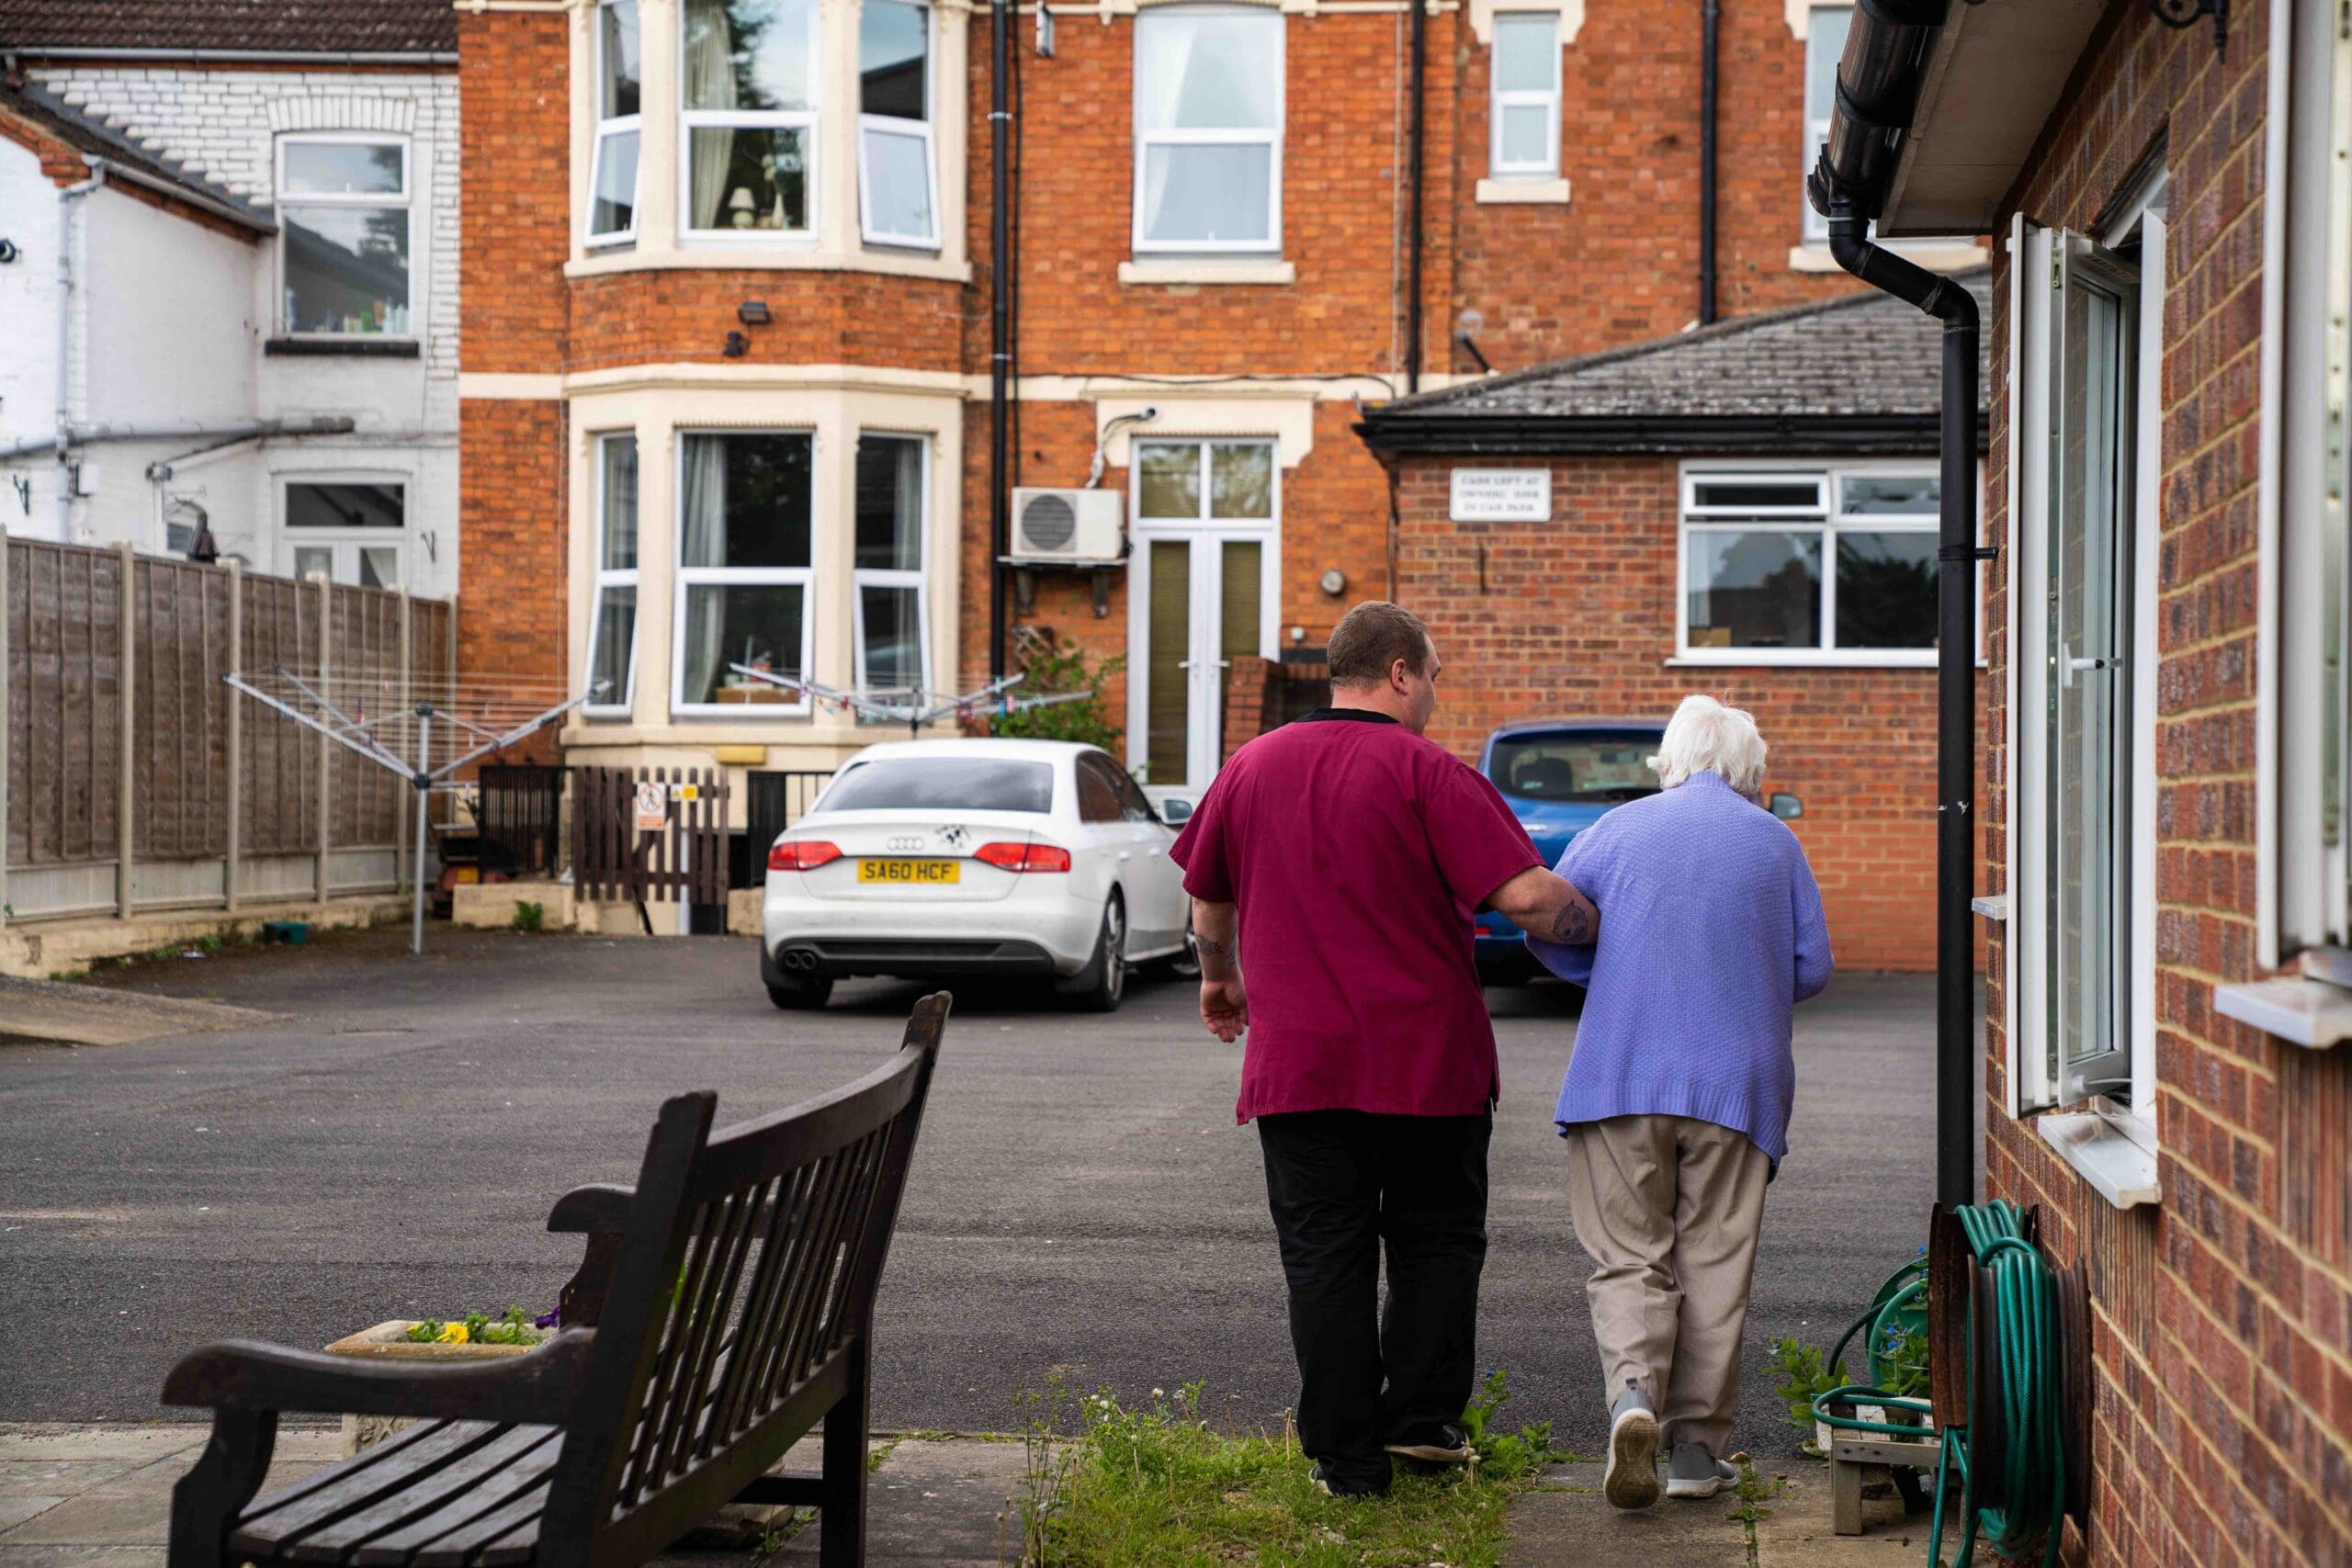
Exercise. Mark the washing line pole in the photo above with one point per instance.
(424, 782)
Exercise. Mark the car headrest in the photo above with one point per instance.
(1542, 777)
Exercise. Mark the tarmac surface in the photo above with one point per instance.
(389, 1144)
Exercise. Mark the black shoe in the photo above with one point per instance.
(1336, 1486)
(1447, 1444)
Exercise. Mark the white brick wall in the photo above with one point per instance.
(224, 123)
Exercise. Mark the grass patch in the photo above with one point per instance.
(1111, 1486)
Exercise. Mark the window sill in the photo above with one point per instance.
(2103, 1154)
(1520, 189)
(776, 257)
(2309, 1013)
(1936, 255)
(342, 347)
(1207, 271)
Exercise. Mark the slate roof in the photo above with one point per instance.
(276, 26)
(1862, 371)
(48, 113)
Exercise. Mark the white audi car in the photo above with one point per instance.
(936, 859)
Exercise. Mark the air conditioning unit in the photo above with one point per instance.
(1067, 527)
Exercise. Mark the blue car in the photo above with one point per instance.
(1559, 776)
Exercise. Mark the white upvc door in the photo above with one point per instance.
(1199, 596)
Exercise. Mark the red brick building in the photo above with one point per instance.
(2165, 763)
(729, 321)
(1747, 509)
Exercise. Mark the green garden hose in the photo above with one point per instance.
(2018, 1500)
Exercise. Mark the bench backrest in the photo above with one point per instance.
(743, 1285)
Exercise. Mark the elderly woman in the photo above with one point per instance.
(1676, 1108)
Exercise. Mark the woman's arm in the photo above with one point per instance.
(1814, 962)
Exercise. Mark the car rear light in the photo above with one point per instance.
(802, 854)
(1024, 857)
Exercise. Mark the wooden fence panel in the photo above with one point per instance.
(686, 862)
(179, 760)
(281, 785)
(66, 684)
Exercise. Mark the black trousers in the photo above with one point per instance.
(1343, 1185)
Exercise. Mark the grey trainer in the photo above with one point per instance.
(1691, 1473)
(1631, 1479)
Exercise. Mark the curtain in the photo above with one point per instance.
(711, 84)
(703, 543)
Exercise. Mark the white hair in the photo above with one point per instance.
(1705, 736)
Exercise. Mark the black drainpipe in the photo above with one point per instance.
(1877, 81)
(1000, 321)
(1709, 72)
(1416, 73)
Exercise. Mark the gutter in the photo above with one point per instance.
(1878, 85)
(187, 195)
(177, 430)
(240, 56)
(60, 442)
(1877, 434)
(1416, 173)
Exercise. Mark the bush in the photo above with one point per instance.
(1054, 671)
(529, 917)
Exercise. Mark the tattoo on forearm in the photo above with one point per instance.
(1210, 946)
(1572, 926)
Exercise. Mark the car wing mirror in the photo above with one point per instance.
(1175, 811)
(1787, 807)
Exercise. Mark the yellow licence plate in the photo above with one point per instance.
(933, 871)
(468, 873)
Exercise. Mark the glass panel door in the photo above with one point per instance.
(1170, 643)
(1205, 604)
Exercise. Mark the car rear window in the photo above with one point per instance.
(1598, 767)
(944, 783)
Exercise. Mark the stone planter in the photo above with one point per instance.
(386, 1342)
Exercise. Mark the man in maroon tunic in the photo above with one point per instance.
(1338, 863)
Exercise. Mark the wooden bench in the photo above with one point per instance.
(723, 1311)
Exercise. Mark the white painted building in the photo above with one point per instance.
(241, 234)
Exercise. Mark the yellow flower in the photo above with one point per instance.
(453, 1334)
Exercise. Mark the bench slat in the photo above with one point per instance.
(357, 1483)
(466, 1480)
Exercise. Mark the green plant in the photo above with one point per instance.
(1803, 1371)
(529, 917)
(1504, 1456)
(1051, 671)
(479, 1329)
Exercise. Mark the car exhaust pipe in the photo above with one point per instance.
(798, 958)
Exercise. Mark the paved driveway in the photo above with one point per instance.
(1081, 1198)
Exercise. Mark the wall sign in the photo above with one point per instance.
(1501, 495)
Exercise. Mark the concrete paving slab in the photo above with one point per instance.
(16, 1508)
(64, 1477)
(937, 1504)
(51, 1442)
(1565, 1523)
(1796, 1530)
(52, 1013)
(81, 1556)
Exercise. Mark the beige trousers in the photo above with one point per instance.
(1668, 1208)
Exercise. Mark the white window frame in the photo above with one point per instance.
(607, 130)
(1272, 139)
(1548, 100)
(918, 578)
(405, 202)
(2112, 1141)
(600, 577)
(805, 120)
(1826, 519)
(690, 577)
(344, 542)
(1817, 128)
(869, 125)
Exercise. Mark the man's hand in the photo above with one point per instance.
(1216, 940)
(1545, 904)
(1225, 1008)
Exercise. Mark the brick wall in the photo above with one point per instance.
(820, 318)
(511, 492)
(1575, 619)
(514, 74)
(2223, 1315)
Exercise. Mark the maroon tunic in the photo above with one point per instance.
(1359, 854)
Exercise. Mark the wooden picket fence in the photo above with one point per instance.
(684, 862)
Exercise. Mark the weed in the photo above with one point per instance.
(529, 917)
(1056, 672)
(1803, 1371)
(1155, 1482)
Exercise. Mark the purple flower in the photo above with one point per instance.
(551, 1319)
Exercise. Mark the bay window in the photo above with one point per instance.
(886, 573)
(342, 213)
(748, 122)
(1208, 131)
(1794, 567)
(1524, 134)
(896, 159)
(612, 615)
(744, 566)
(611, 178)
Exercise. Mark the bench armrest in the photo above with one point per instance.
(244, 1374)
(594, 1210)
